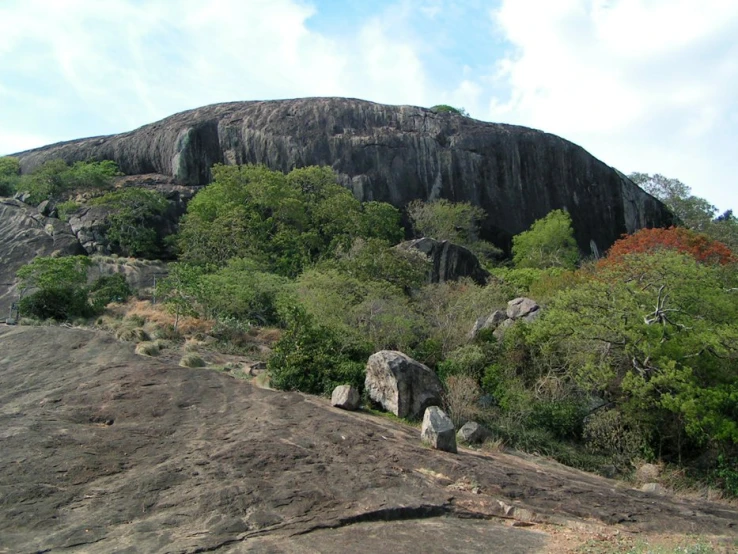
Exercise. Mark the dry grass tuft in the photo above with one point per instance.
(192, 360)
(147, 349)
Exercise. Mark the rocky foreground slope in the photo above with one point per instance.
(389, 153)
(106, 451)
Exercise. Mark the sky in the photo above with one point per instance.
(644, 85)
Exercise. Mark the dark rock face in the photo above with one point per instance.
(450, 262)
(25, 234)
(390, 153)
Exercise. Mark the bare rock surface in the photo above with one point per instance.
(25, 234)
(105, 451)
(389, 153)
(400, 384)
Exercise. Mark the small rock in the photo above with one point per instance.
(438, 430)
(472, 433)
(521, 307)
(257, 368)
(654, 488)
(345, 397)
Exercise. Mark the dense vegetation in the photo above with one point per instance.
(632, 358)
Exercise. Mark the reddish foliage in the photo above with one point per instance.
(701, 247)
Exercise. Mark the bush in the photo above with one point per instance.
(134, 213)
(548, 243)
(54, 177)
(564, 418)
(9, 175)
(60, 303)
(65, 209)
(445, 108)
(461, 398)
(58, 285)
(311, 358)
(107, 289)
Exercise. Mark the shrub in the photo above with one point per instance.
(65, 209)
(563, 418)
(461, 398)
(9, 175)
(107, 289)
(312, 358)
(134, 212)
(548, 243)
(445, 108)
(54, 177)
(59, 287)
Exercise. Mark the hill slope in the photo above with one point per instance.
(389, 153)
(103, 451)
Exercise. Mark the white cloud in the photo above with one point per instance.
(647, 85)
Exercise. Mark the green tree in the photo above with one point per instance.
(457, 222)
(9, 175)
(656, 336)
(134, 212)
(54, 177)
(181, 290)
(284, 222)
(548, 243)
(57, 287)
(243, 291)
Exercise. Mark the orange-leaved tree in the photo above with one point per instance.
(698, 245)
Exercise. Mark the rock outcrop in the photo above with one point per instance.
(25, 234)
(389, 153)
(400, 384)
(106, 451)
(449, 262)
(518, 309)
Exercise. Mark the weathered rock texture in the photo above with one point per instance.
(345, 397)
(105, 451)
(438, 430)
(449, 262)
(473, 433)
(400, 384)
(389, 153)
(25, 234)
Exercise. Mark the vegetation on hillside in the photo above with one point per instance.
(632, 358)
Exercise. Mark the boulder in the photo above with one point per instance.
(521, 307)
(488, 322)
(472, 433)
(401, 385)
(654, 488)
(438, 430)
(449, 261)
(499, 333)
(392, 154)
(345, 397)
